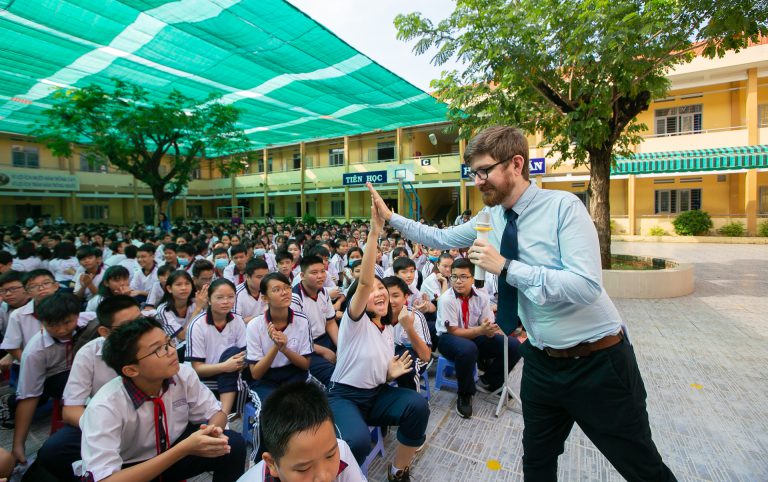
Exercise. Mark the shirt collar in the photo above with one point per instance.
(470, 295)
(525, 199)
(268, 477)
(268, 316)
(137, 396)
(28, 309)
(248, 290)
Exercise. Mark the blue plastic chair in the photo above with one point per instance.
(446, 368)
(378, 449)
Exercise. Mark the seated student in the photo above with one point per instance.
(180, 304)
(360, 395)
(354, 254)
(293, 247)
(170, 255)
(88, 374)
(23, 321)
(216, 343)
(248, 300)
(235, 272)
(88, 276)
(300, 440)
(430, 262)
(312, 299)
(185, 254)
(435, 285)
(339, 258)
(158, 288)
(411, 332)
(130, 262)
(278, 341)
(202, 273)
(46, 361)
(142, 425)
(64, 263)
(145, 274)
(405, 269)
(468, 333)
(220, 261)
(116, 281)
(284, 263)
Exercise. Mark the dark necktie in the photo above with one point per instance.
(506, 314)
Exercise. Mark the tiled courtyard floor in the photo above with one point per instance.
(703, 358)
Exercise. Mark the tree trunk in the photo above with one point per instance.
(600, 200)
(158, 209)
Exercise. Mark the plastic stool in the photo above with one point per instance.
(424, 382)
(251, 413)
(445, 368)
(57, 421)
(378, 448)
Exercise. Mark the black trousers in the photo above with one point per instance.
(604, 394)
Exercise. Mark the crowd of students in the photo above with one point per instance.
(151, 341)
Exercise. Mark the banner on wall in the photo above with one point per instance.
(38, 181)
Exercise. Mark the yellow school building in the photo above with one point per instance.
(706, 148)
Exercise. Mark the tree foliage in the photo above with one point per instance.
(139, 134)
(576, 72)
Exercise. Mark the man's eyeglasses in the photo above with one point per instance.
(463, 278)
(42, 286)
(162, 351)
(10, 290)
(483, 172)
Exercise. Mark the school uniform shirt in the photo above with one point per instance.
(427, 269)
(88, 374)
(249, 304)
(328, 283)
(114, 260)
(63, 269)
(450, 311)
(259, 342)
(173, 322)
(364, 352)
(155, 294)
(93, 303)
(159, 255)
(271, 263)
(419, 325)
(492, 288)
(43, 357)
(131, 265)
(3, 317)
(232, 275)
(339, 262)
(349, 471)
(379, 270)
(119, 423)
(205, 343)
(318, 310)
(142, 281)
(22, 326)
(88, 294)
(24, 265)
(332, 280)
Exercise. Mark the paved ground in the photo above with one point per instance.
(702, 358)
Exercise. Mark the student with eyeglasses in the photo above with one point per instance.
(468, 332)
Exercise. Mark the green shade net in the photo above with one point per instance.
(293, 79)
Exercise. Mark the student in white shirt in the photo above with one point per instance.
(145, 275)
(26, 258)
(354, 254)
(284, 262)
(130, 262)
(249, 302)
(339, 258)
(435, 285)
(235, 272)
(405, 269)
(88, 276)
(220, 261)
(468, 333)
(144, 424)
(278, 341)
(411, 332)
(88, 374)
(312, 299)
(45, 362)
(216, 343)
(157, 291)
(300, 440)
(180, 304)
(23, 322)
(359, 394)
(64, 263)
(116, 281)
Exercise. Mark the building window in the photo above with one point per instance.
(297, 161)
(385, 151)
(336, 157)
(679, 120)
(763, 204)
(92, 163)
(194, 212)
(762, 115)
(269, 164)
(671, 201)
(337, 208)
(584, 197)
(260, 165)
(95, 212)
(25, 156)
(197, 173)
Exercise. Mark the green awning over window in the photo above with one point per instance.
(294, 79)
(724, 158)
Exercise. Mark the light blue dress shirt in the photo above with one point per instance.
(558, 274)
